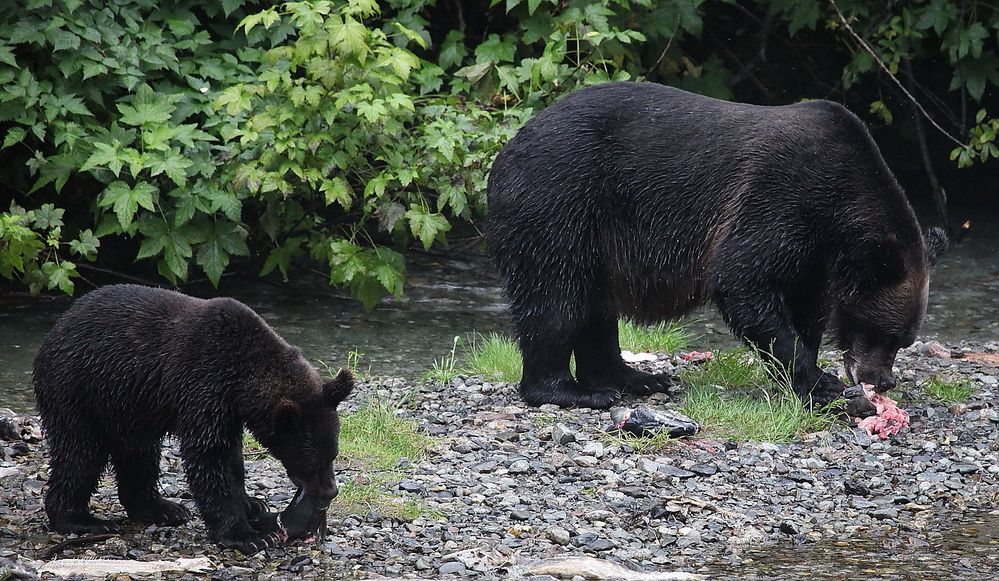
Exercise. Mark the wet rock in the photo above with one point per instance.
(558, 535)
(562, 435)
(452, 568)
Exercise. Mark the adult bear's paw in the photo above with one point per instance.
(827, 390)
(161, 512)
(567, 393)
(640, 383)
(255, 506)
(84, 523)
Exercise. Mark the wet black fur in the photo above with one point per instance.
(128, 364)
(644, 201)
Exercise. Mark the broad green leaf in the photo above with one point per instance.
(86, 244)
(338, 191)
(14, 135)
(105, 155)
(146, 107)
(173, 164)
(426, 226)
(59, 275)
(125, 201)
(224, 239)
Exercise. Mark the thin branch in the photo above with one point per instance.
(884, 67)
(669, 43)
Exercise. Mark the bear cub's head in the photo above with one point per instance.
(305, 437)
(885, 309)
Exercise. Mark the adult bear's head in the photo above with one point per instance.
(305, 437)
(884, 303)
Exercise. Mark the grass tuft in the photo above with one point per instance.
(376, 438)
(737, 395)
(640, 444)
(494, 357)
(665, 337)
(445, 369)
(948, 390)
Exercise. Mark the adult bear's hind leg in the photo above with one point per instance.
(138, 471)
(546, 349)
(599, 365)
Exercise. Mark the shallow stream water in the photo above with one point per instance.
(965, 550)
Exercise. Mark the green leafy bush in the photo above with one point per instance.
(186, 136)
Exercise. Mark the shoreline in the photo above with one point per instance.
(504, 484)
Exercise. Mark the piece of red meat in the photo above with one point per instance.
(890, 418)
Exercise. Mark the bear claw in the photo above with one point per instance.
(255, 545)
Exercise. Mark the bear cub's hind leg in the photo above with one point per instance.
(138, 471)
(77, 459)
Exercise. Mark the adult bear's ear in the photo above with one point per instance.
(286, 414)
(936, 242)
(339, 388)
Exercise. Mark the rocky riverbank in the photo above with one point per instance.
(505, 485)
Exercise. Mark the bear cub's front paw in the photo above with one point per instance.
(249, 545)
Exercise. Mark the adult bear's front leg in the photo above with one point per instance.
(761, 319)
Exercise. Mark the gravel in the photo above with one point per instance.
(505, 485)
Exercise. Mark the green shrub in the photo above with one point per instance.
(188, 136)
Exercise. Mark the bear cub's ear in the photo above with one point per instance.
(339, 388)
(936, 243)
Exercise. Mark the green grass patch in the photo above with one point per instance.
(948, 390)
(665, 337)
(640, 444)
(372, 496)
(251, 446)
(494, 357)
(374, 440)
(737, 395)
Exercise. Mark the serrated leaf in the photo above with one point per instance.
(230, 6)
(348, 37)
(63, 39)
(224, 239)
(14, 135)
(173, 164)
(7, 56)
(146, 107)
(105, 155)
(337, 190)
(60, 275)
(86, 244)
(426, 226)
(125, 201)
(282, 256)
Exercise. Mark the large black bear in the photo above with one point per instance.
(644, 201)
(128, 364)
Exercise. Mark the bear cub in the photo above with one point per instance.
(128, 364)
